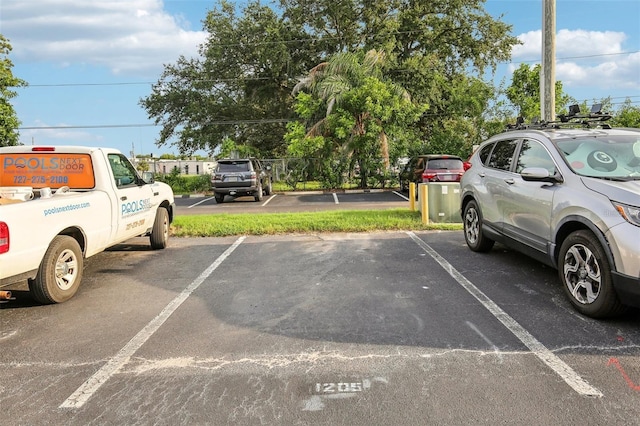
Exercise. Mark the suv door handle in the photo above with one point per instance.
(510, 181)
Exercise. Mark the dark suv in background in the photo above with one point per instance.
(431, 168)
(241, 177)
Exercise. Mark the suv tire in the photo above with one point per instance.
(585, 273)
(258, 195)
(472, 223)
(219, 198)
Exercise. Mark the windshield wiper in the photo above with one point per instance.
(619, 178)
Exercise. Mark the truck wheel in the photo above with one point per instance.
(160, 232)
(586, 276)
(219, 198)
(60, 272)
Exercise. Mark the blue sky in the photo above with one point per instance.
(88, 62)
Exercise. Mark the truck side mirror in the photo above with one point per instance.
(147, 177)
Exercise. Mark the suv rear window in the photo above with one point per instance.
(445, 164)
(236, 166)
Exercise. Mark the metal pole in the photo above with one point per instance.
(548, 77)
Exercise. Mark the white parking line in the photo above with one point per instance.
(537, 348)
(399, 194)
(269, 199)
(335, 198)
(200, 202)
(100, 377)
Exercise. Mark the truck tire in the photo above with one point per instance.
(160, 232)
(60, 272)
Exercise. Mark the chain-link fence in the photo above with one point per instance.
(310, 173)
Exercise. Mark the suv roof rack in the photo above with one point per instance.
(572, 119)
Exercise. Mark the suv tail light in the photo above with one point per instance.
(4, 237)
(428, 177)
(466, 165)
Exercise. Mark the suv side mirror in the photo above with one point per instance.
(538, 174)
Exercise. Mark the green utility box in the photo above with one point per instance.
(443, 201)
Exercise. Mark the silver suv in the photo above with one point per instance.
(568, 197)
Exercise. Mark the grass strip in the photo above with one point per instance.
(222, 225)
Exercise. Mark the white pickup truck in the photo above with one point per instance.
(60, 205)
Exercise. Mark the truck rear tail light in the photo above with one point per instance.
(43, 149)
(4, 237)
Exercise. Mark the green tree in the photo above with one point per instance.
(229, 148)
(628, 115)
(435, 49)
(143, 166)
(9, 122)
(240, 86)
(524, 92)
(355, 109)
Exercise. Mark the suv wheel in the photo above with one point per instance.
(267, 190)
(586, 276)
(472, 222)
(258, 194)
(219, 198)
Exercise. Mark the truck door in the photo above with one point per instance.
(135, 199)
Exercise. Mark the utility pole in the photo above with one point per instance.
(548, 77)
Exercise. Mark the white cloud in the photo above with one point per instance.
(126, 36)
(571, 43)
(585, 58)
(57, 134)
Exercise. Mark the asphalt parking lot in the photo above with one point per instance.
(294, 202)
(380, 328)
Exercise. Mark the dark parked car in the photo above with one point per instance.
(241, 177)
(568, 197)
(431, 168)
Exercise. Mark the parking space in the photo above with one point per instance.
(379, 328)
(299, 201)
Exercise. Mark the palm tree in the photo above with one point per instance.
(330, 81)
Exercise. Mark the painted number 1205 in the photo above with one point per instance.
(341, 387)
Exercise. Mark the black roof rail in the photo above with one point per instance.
(572, 119)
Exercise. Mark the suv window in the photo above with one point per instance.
(533, 154)
(445, 164)
(234, 166)
(502, 155)
(485, 152)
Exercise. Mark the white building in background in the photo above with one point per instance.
(186, 167)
